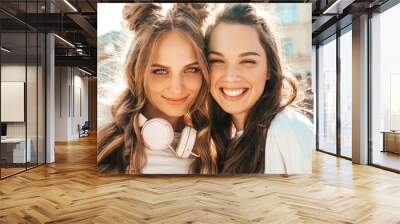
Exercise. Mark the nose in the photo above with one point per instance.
(176, 84)
(231, 74)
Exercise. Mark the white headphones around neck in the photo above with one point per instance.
(158, 134)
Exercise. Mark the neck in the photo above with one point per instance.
(238, 120)
(152, 112)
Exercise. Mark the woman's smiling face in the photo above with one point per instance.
(175, 78)
(238, 68)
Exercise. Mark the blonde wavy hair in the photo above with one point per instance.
(120, 144)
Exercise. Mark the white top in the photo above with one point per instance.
(289, 145)
(165, 161)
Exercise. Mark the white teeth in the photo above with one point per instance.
(235, 92)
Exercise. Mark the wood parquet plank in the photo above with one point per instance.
(10, 171)
(70, 191)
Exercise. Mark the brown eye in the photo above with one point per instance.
(160, 71)
(192, 70)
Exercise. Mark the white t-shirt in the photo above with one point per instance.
(289, 145)
(165, 161)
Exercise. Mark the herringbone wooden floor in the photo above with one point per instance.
(70, 191)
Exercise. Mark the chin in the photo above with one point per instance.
(170, 113)
(233, 109)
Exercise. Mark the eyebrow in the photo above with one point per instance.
(240, 55)
(248, 53)
(159, 65)
(215, 52)
(163, 66)
(191, 64)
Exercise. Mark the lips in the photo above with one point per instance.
(233, 93)
(175, 101)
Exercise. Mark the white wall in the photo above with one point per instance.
(70, 83)
(16, 73)
(33, 126)
(61, 103)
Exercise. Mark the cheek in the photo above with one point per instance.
(154, 86)
(259, 78)
(215, 75)
(193, 82)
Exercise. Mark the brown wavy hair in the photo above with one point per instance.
(120, 145)
(246, 154)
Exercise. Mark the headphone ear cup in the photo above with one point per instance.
(186, 142)
(157, 134)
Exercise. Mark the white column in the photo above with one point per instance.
(50, 99)
(50, 93)
(360, 90)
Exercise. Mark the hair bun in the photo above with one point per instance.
(199, 11)
(137, 14)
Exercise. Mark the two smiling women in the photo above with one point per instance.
(246, 125)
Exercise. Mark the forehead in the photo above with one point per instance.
(234, 39)
(174, 47)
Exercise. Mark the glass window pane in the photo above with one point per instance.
(386, 89)
(327, 96)
(23, 85)
(13, 86)
(346, 94)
